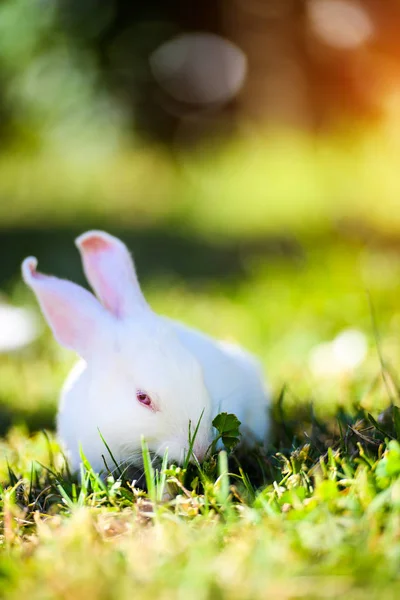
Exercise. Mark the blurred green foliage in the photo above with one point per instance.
(279, 233)
(277, 237)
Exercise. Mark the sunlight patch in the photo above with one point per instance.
(341, 355)
(340, 23)
(18, 327)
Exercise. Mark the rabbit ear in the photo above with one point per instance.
(110, 271)
(73, 313)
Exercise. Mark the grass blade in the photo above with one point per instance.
(148, 472)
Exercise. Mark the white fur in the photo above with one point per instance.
(126, 347)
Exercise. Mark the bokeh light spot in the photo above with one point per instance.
(340, 23)
(199, 68)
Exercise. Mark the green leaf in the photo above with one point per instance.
(389, 466)
(228, 426)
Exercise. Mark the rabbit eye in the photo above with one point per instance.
(143, 398)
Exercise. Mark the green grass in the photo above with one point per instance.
(316, 517)
(258, 183)
(282, 264)
(327, 525)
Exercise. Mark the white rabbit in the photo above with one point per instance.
(140, 373)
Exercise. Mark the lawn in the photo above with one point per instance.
(299, 270)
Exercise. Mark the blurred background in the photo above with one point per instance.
(246, 151)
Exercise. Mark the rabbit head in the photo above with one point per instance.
(137, 378)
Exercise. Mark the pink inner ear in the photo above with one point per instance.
(29, 266)
(94, 244)
(110, 296)
(99, 259)
(110, 271)
(75, 316)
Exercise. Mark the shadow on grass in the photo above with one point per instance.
(299, 447)
(299, 442)
(158, 251)
(42, 418)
